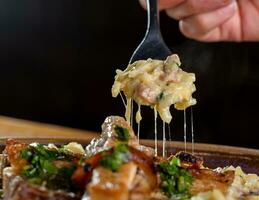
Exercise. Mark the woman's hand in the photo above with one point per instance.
(215, 20)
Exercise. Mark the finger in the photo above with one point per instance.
(192, 7)
(228, 31)
(163, 4)
(143, 3)
(214, 35)
(199, 25)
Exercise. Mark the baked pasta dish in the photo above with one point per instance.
(116, 167)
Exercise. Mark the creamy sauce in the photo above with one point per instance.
(164, 141)
(138, 119)
(128, 111)
(138, 114)
(184, 129)
(170, 138)
(123, 101)
(131, 112)
(192, 131)
(138, 131)
(155, 129)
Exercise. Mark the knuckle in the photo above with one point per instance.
(185, 29)
(189, 30)
(173, 13)
(201, 24)
(143, 3)
(191, 5)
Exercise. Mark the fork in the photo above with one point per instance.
(153, 45)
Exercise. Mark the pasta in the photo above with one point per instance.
(156, 83)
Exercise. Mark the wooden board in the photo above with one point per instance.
(18, 128)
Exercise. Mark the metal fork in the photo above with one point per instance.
(153, 45)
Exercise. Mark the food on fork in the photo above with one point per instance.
(156, 83)
(116, 167)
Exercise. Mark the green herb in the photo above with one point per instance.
(26, 154)
(175, 181)
(160, 97)
(177, 64)
(62, 179)
(122, 133)
(63, 150)
(113, 160)
(82, 160)
(41, 168)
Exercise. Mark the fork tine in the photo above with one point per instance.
(153, 49)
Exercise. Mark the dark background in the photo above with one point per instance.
(58, 60)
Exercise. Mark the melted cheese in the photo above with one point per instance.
(157, 84)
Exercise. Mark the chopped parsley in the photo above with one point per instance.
(122, 133)
(175, 181)
(114, 159)
(42, 170)
(160, 96)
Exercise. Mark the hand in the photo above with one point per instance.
(215, 20)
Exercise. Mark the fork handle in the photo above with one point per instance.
(153, 17)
